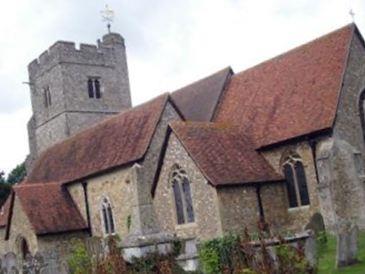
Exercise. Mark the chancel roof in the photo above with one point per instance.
(292, 95)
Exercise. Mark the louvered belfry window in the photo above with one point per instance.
(296, 182)
(107, 216)
(182, 195)
(93, 88)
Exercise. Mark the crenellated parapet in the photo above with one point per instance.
(101, 54)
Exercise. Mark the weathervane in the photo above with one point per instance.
(352, 14)
(108, 16)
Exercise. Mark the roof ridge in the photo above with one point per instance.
(228, 68)
(296, 48)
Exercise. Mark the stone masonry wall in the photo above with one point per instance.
(21, 227)
(77, 193)
(238, 208)
(3, 244)
(115, 186)
(348, 140)
(60, 243)
(297, 217)
(207, 223)
(150, 162)
(275, 205)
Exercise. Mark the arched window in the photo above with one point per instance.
(90, 88)
(93, 87)
(97, 89)
(23, 248)
(182, 195)
(107, 217)
(296, 181)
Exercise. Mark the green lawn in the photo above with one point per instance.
(328, 257)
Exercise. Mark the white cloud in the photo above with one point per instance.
(169, 43)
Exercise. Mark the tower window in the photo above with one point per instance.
(296, 182)
(182, 195)
(93, 87)
(47, 96)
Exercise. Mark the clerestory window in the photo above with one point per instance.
(107, 217)
(182, 195)
(296, 181)
(93, 86)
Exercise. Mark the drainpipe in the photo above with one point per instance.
(261, 209)
(86, 197)
(313, 144)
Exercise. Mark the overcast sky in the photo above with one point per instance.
(169, 43)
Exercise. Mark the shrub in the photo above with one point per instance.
(79, 260)
(234, 255)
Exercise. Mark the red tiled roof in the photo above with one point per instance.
(114, 142)
(50, 208)
(198, 101)
(223, 154)
(291, 95)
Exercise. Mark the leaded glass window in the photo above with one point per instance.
(182, 195)
(296, 181)
(107, 217)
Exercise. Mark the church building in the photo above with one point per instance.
(278, 142)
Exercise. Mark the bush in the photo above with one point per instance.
(221, 255)
(235, 255)
(79, 261)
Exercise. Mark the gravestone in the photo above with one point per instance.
(347, 241)
(10, 263)
(316, 224)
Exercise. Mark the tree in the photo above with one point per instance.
(2, 177)
(17, 174)
(4, 188)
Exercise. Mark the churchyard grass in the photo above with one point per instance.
(327, 258)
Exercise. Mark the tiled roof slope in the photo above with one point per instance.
(114, 142)
(223, 154)
(291, 95)
(50, 208)
(198, 101)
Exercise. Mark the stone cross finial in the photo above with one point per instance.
(108, 16)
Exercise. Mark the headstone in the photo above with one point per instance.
(9, 262)
(310, 250)
(316, 224)
(347, 241)
(352, 245)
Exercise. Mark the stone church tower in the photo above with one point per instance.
(72, 89)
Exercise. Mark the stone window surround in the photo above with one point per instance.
(94, 91)
(47, 96)
(186, 224)
(22, 246)
(105, 203)
(291, 159)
